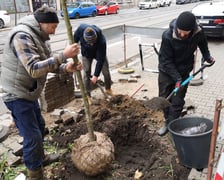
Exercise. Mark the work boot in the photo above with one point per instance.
(109, 92)
(163, 130)
(89, 99)
(36, 174)
(50, 158)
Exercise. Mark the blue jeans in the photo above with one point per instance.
(31, 125)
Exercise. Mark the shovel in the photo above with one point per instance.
(159, 103)
(98, 84)
(101, 89)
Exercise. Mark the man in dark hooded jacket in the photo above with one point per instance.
(176, 60)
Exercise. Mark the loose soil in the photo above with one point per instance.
(131, 126)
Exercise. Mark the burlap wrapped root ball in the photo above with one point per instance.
(94, 157)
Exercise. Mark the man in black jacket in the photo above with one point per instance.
(176, 60)
(93, 46)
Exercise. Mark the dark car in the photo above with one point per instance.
(81, 9)
(105, 7)
(182, 1)
(211, 17)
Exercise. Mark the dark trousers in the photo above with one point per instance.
(87, 67)
(31, 125)
(166, 86)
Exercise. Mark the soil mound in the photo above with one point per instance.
(131, 127)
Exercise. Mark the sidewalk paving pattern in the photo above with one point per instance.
(203, 96)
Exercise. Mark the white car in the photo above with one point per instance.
(163, 3)
(4, 18)
(210, 15)
(148, 4)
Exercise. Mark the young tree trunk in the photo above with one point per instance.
(78, 74)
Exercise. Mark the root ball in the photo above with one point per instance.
(94, 157)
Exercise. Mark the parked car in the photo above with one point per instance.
(163, 3)
(194, 1)
(211, 17)
(148, 4)
(105, 7)
(81, 9)
(4, 19)
(182, 1)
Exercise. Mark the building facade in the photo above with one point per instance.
(22, 6)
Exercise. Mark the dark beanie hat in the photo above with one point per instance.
(46, 15)
(186, 21)
(90, 35)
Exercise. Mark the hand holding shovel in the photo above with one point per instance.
(97, 82)
(158, 103)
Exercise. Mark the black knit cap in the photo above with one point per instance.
(46, 14)
(186, 21)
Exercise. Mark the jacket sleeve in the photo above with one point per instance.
(167, 60)
(100, 55)
(27, 52)
(203, 46)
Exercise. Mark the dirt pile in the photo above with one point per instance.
(132, 128)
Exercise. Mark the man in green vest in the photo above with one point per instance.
(27, 59)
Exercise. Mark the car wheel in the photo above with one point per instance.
(1, 23)
(94, 13)
(117, 11)
(77, 16)
(106, 12)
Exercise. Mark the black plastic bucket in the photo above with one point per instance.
(192, 150)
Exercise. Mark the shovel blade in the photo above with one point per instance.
(157, 103)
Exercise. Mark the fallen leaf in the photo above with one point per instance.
(138, 174)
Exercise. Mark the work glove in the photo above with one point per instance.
(210, 60)
(94, 79)
(178, 84)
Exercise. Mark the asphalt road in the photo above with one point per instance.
(158, 17)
